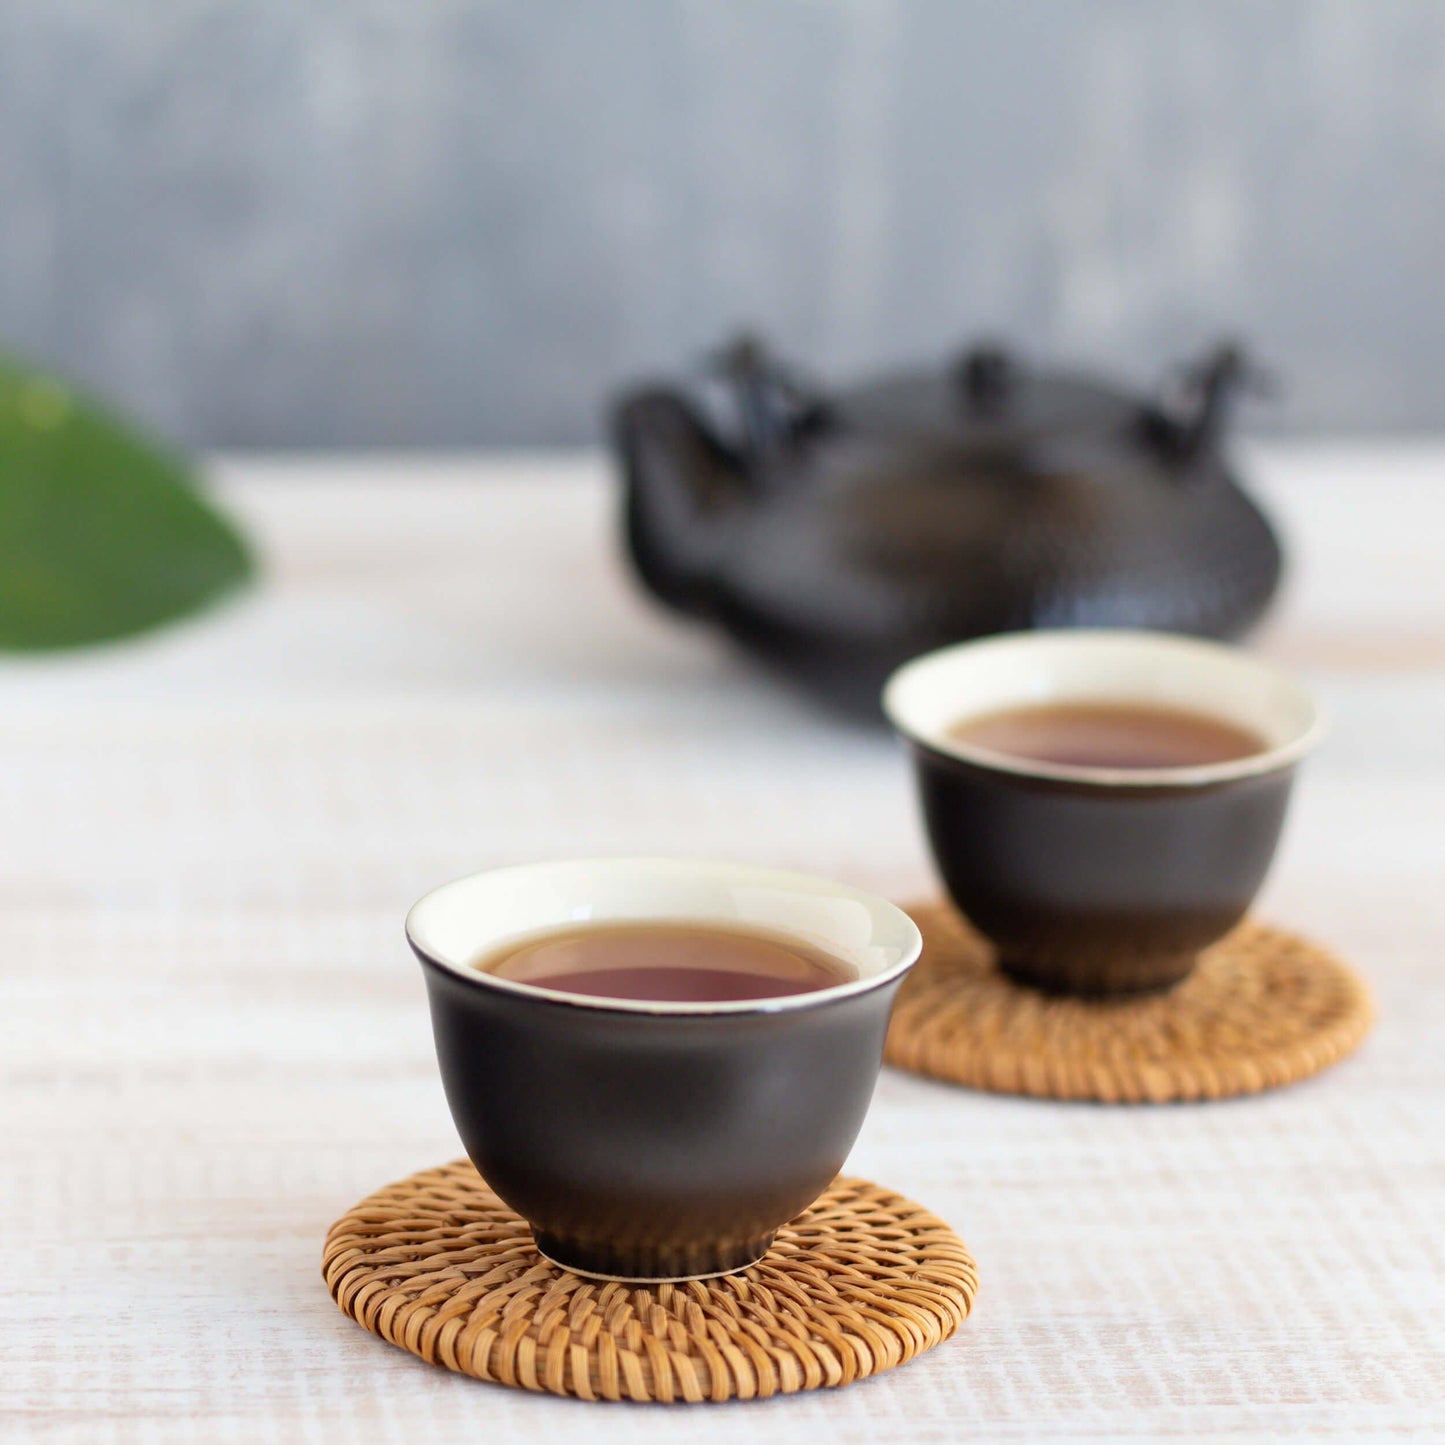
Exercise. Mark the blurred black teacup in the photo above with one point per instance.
(1095, 879)
(648, 1139)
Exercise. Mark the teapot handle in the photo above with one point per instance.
(1189, 419)
(695, 460)
(681, 484)
(754, 403)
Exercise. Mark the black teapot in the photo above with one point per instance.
(836, 536)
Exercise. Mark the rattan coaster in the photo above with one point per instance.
(1261, 1009)
(860, 1282)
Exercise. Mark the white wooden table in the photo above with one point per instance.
(214, 1040)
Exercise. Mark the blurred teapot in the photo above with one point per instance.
(837, 535)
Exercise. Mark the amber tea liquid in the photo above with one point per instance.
(668, 962)
(1108, 735)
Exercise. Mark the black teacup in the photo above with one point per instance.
(655, 1140)
(1100, 880)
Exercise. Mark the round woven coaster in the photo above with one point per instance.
(1262, 1008)
(860, 1282)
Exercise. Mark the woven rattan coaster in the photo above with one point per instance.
(860, 1282)
(1262, 1008)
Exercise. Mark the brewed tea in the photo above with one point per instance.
(671, 962)
(1108, 735)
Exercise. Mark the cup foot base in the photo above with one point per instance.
(1105, 978)
(648, 1264)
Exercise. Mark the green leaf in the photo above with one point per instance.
(102, 531)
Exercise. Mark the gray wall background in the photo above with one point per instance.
(287, 222)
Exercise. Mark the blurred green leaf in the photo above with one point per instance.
(102, 531)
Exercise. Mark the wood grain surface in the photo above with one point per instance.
(213, 1040)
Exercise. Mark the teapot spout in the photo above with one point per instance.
(680, 484)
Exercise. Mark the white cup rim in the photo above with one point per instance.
(926, 696)
(560, 894)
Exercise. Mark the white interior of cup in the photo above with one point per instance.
(472, 917)
(931, 694)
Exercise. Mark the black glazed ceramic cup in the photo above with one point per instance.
(648, 1140)
(1097, 880)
